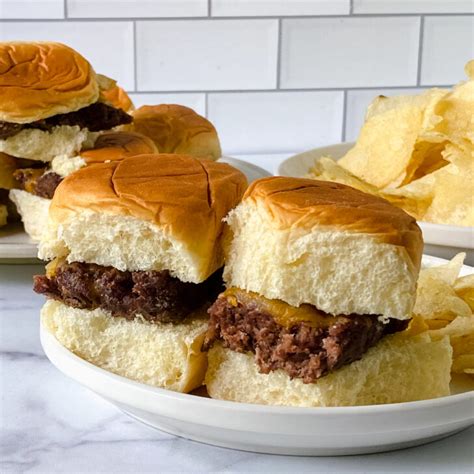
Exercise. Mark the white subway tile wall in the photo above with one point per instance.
(275, 76)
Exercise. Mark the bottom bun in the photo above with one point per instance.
(398, 369)
(163, 355)
(3, 215)
(33, 211)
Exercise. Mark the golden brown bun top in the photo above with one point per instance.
(39, 80)
(117, 97)
(306, 203)
(117, 146)
(177, 129)
(185, 197)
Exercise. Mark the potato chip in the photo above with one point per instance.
(387, 139)
(448, 272)
(456, 110)
(453, 201)
(329, 170)
(436, 298)
(418, 153)
(464, 288)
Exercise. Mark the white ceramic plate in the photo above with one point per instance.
(17, 247)
(441, 240)
(273, 429)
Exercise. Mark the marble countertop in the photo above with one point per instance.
(50, 424)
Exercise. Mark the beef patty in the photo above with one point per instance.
(302, 350)
(95, 117)
(156, 296)
(38, 181)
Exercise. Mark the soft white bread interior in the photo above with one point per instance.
(326, 244)
(398, 369)
(39, 145)
(3, 215)
(146, 212)
(33, 211)
(162, 355)
(39, 80)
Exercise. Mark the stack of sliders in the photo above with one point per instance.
(177, 129)
(51, 107)
(321, 281)
(136, 255)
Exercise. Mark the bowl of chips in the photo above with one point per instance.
(417, 152)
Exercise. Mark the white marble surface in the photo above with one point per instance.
(50, 424)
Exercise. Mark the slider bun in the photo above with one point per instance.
(398, 369)
(33, 211)
(177, 129)
(39, 80)
(118, 145)
(7, 166)
(118, 98)
(109, 146)
(146, 212)
(326, 244)
(163, 355)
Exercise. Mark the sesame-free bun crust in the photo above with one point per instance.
(146, 212)
(177, 129)
(117, 146)
(160, 354)
(117, 97)
(39, 80)
(326, 244)
(398, 369)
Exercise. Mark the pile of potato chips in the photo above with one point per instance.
(417, 152)
(444, 307)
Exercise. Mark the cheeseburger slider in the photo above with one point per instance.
(37, 186)
(177, 129)
(136, 251)
(321, 280)
(51, 106)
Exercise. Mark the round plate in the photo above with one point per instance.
(276, 429)
(17, 247)
(441, 240)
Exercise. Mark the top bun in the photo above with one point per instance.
(326, 244)
(118, 98)
(39, 80)
(118, 145)
(177, 129)
(147, 212)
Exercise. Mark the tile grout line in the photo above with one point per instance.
(206, 105)
(209, 8)
(230, 18)
(135, 58)
(278, 61)
(351, 7)
(420, 50)
(304, 89)
(344, 116)
(65, 12)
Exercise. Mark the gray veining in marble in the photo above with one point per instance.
(50, 424)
